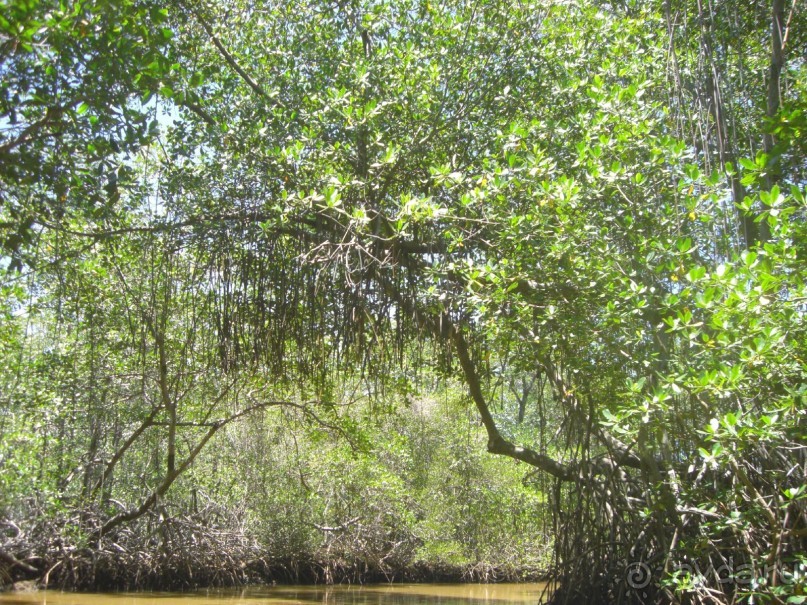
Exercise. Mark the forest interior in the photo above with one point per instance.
(382, 290)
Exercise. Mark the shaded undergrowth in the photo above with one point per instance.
(185, 552)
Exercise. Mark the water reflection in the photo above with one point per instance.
(387, 594)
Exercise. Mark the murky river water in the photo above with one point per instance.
(395, 594)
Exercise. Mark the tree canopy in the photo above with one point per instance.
(210, 210)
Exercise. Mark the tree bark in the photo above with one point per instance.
(774, 78)
(747, 229)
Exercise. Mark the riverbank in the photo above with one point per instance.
(208, 558)
(94, 572)
(219, 546)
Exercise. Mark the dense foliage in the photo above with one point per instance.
(243, 240)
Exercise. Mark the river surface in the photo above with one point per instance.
(386, 594)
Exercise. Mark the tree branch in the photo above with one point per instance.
(52, 115)
(496, 443)
(775, 69)
(228, 57)
(148, 422)
(168, 480)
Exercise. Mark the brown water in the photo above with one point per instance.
(386, 594)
